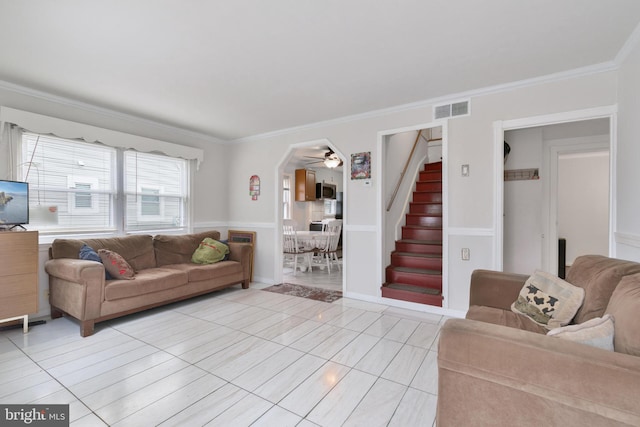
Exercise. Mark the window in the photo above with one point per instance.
(76, 186)
(83, 200)
(71, 183)
(149, 202)
(155, 191)
(286, 197)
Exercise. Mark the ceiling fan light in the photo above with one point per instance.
(332, 162)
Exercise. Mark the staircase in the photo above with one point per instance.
(415, 273)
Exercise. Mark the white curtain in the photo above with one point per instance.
(9, 139)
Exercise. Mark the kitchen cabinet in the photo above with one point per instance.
(305, 185)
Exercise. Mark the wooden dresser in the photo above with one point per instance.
(18, 275)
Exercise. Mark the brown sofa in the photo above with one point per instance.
(164, 274)
(498, 368)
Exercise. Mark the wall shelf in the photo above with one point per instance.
(521, 174)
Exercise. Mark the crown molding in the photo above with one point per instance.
(106, 112)
(549, 78)
(564, 75)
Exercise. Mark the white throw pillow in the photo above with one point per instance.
(598, 332)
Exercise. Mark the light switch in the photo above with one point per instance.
(466, 254)
(465, 170)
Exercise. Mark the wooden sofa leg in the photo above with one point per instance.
(245, 284)
(86, 327)
(55, 313)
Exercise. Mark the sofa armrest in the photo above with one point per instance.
(76, 286)
(74, 270)
(494, 375)
(243, 253)
(495, 288)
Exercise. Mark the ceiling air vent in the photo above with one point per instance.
(455, 109)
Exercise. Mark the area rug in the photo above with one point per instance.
(305, 292)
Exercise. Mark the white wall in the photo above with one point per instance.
(583, 216)
(222, 199)
(397, 149)
(471, 208)
(523, 204)
(628, 174)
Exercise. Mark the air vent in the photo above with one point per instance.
(455, 109)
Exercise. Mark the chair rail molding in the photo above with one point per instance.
(628, 239)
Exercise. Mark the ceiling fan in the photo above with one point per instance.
(330, 159)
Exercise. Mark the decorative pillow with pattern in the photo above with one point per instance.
(597, 332)
(548, 300)
(116, 265)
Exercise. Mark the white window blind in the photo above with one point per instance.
(75, 187)
(71, 183)
(155, 191)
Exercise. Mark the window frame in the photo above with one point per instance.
(116, 195)
(287, 206)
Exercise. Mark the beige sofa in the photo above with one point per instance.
(498, 368)
(164, 274)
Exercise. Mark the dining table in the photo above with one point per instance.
(312, 239)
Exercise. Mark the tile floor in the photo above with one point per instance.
(318, 278)
(233, 358)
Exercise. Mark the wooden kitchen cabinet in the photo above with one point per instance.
(18, 275)
(305, 185)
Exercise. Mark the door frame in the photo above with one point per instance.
(552, 152)
(500, 126)
(381, 221)
(284, 161)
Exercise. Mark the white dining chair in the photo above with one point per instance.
(326, 255)
(292, 249)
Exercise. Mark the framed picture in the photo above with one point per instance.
(244, 237)
(361, 165)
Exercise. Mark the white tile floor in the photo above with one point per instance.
(233, 358)
(317, 277)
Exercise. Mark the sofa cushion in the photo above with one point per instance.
(147, 281)
(136, 249)
(598, 276)
(116, 265)
(178, 249)
(597, 332)
(209, 251)
(624, 306)
(508, 318)
(198, 272)
(548, 300)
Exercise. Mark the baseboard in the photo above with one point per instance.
(406, 305)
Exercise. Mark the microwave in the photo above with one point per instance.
(325, 191)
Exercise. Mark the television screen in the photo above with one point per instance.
(14, 203)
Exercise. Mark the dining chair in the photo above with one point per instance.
(292, 250)
(326, 255)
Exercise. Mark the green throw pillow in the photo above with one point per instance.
(209, 251)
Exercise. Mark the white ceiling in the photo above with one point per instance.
(231, 69)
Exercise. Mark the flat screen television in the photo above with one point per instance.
(14, 203)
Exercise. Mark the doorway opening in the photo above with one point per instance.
(555, 190)
(299, 173)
